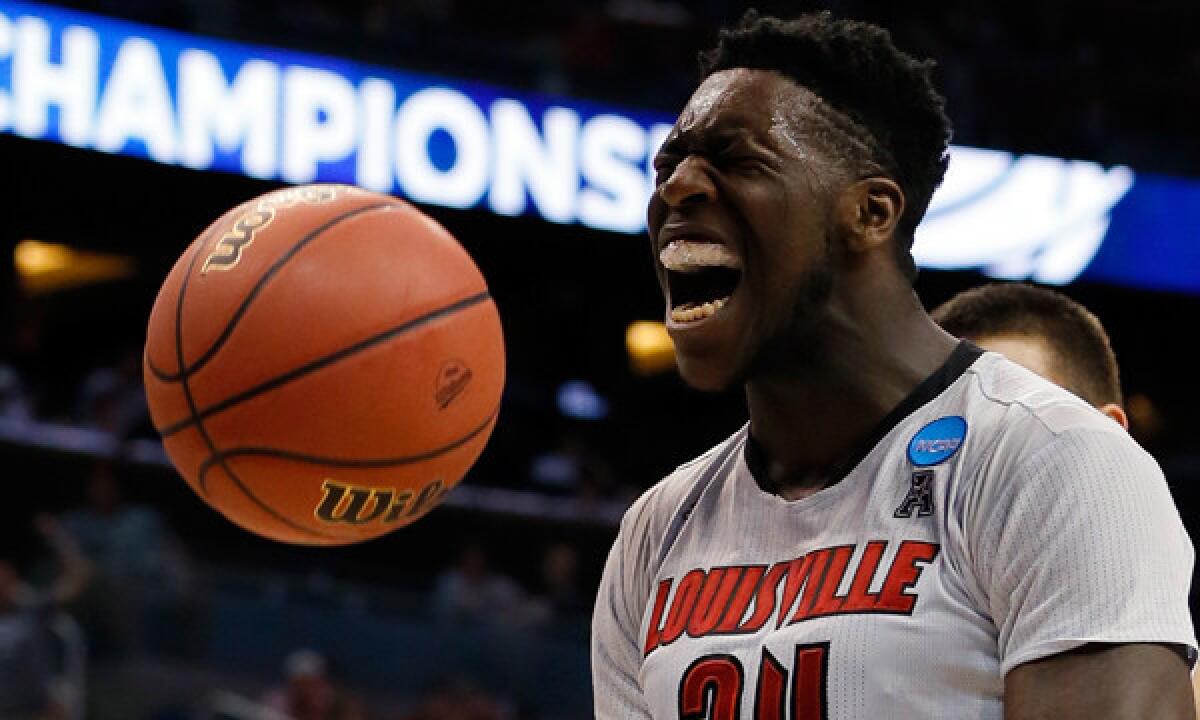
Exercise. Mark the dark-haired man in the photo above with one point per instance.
(907, 527)
(1044, 331)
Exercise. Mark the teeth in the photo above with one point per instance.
(688, 312)
(692, 256)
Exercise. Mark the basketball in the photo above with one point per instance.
(324, 364)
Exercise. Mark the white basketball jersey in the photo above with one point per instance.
(998, 519)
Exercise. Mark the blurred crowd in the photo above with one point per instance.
(122, 596)
(108, 609)
(94, 596)
(110, 399)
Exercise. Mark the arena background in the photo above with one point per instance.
(186, 616)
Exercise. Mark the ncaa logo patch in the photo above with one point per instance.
(938, 441)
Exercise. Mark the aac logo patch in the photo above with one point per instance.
(938, 441)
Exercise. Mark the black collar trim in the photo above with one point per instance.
(964, 356)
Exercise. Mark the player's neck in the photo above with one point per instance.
(808, 424)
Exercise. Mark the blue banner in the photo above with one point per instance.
(1153, 240)
(197, 102)
(181, 99)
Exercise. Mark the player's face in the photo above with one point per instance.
(739, 228)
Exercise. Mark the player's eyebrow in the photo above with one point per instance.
(704, 140)
(673, 145)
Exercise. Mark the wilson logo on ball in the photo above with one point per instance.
(354, 505)
(228, 251)
(352, 303)
(453, 378)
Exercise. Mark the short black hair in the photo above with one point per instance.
(857, 69)
(1069, 330)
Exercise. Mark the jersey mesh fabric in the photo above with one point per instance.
(1050, 528)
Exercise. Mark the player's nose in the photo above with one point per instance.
(690, 182)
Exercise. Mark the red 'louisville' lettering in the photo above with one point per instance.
(859, 597)
(717, 601)
(682, 605)
(714, 600)
(804, 571)
(904, 575)
(743, 595)
(654, 637)
(764, 600)
(827, 602)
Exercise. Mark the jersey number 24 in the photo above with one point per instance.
(712, 686)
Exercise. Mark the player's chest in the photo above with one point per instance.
(788, 616)
(740, 570)
(782, 640)
(875, 577)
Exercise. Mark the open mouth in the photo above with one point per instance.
(701, 277)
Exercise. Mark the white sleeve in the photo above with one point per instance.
(616, 624)
(1081, 543)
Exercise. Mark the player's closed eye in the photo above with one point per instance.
(742, 164)
(663, 170)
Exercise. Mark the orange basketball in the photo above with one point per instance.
(324, 364)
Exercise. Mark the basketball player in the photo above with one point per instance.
(908, 527)
(1050, 334)
(1047, 332)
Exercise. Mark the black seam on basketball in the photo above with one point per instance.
(212, 230)
(347, 462)
(159, 374)
(208, 234)
(271, 272)
(191, 402)
(322, 362)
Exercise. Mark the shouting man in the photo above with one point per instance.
(907, 527)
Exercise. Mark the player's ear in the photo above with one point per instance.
(870, 210)
(1116, 412)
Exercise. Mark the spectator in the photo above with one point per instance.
(113, 399)
(309, 693)
(24, 356)
(573, 468)
(559, 471)
(560, 598)
(471, 592)
(459, 701)
(27, 674)
(128, 543)
(142, 574)
(15, 403)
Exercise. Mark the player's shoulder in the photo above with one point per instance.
(1014, 398)
(1019, 414)
(671, 499)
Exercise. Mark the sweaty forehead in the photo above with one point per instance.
(737, 97)
(751, 101)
